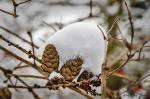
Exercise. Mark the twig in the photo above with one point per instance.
(21, 67)
(91, 7)
(103, 81)
(15, 5)
(126, 61)
(112, 26)
(26, 52)
(20, 48)
(146, 46)
(32, 43)
(24, 2)
(50, 26)
(131, 23)
(21, 59)
(9, 13)
(8, 74)
(140, 51)
(123, 77)
(125, 42)
(29, 89)
(52, 87)
(105, 38)
(118, 58)
(79, 91)
(30, 76)
(18, 36)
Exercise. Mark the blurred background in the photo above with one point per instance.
(44, 17)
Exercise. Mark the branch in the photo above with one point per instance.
(20, 48)
(15, 5)
(8, 74)
(18, 36)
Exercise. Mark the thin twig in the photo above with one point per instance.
(9, 13)
(18, 36)
(22, 67)
(52, 87)
(32, 43)
(105, 38)
(19, 58)
(20, 48)
(140, 51)
(126, 61)
(112, 26)
(8, 74)
(29, 89)
(15, 5)
(79, 91)
(30, 76)
(91, 8)
(123, 77)
(55, 30)
(23, 2)
(118, 58)
(125, 42)
(131, 23)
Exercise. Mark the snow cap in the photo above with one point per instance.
(84, 40)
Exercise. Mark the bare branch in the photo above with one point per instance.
(18, 36)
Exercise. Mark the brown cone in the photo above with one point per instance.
(71, 69)
(5, 93)
(50, 59)
(85, 75)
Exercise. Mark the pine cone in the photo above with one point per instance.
(5, 93)
(71, 69)
(85, 75)
(50, 59)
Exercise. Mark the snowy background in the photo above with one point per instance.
(60, 13)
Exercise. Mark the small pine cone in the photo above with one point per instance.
(84, 76)
(71, 69)
(5, 93)
(55, 81)
(50, 59)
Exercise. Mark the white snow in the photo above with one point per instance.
(81, 39)
(55, 74)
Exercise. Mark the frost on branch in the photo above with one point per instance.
(79, 41)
